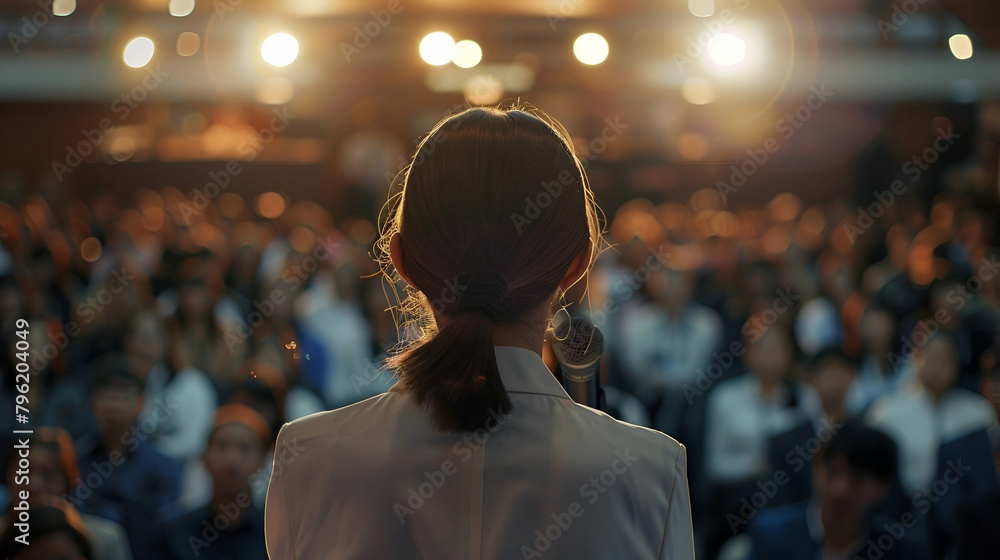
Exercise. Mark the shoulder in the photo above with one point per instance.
(892, 404)
(973, 403)
(656, 447)
(360, 419)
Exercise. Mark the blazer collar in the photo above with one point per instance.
(522, 371)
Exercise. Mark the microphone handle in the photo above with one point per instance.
(581, 389)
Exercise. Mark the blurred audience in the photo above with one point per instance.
(851, 475)
(749, 331)
(230, 526)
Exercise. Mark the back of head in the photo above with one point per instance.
(867, 450)
(494, 210)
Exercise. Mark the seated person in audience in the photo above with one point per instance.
(666, 342)
(936, 412)
(177, 402)
(880, 371)
(122, 476)
(743, 416)
(54, 472)
(56, 533)
(743, 413)
(230, 526)
(832, 374)
(851, 474)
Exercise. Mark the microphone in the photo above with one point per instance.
(579, 345)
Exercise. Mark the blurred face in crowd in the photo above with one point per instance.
(832, 378)
(672, 288)
(193, 301)
(877, 328)
(771, 356)
(116, 407)
(939, 366)
(233, 454)
(847, 494)
(46, 477)
(145, 341)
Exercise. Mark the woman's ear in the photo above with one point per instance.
(577, 268)
(396, 255)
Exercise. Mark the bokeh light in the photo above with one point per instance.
(727, 49)
(138, 52)
(90, 249)
(467, 54)
(961, 46)
(591, 48)
(188, 43)
(181, 8)
(280, 49)
(63, 8)
(437, 49)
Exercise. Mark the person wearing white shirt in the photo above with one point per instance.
(932, 414)
(743, 413)
(666, 343)
(477, 452)
(743, 416)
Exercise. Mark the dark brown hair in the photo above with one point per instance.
(489, 189)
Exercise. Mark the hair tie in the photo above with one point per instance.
(484, 290)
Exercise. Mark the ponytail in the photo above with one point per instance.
(454, 374)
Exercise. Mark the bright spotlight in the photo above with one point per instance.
(961, 46)
(279, 49)
(138, 52)
(726, 49)
(63, 7)
(181, 8)
(437, 48)
(467, 54)
(590, 48)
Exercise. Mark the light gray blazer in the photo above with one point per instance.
(554, 480)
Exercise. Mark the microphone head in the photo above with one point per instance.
(577, 344)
